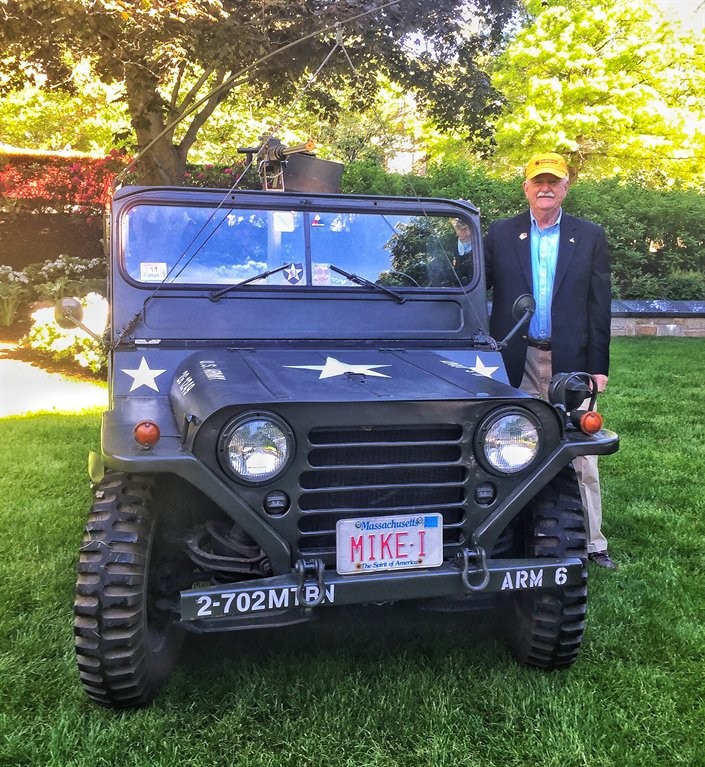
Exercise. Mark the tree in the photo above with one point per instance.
(609, 84)
(169, 53)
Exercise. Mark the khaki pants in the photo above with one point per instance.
(537, 376)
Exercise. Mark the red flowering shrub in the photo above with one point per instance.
(66, 183)
(221, 176)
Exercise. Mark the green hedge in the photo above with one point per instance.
(657, 238)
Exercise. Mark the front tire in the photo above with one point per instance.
(546, 628)
(127, 639)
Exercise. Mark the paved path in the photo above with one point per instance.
(25, 388)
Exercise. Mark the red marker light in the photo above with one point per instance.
(147, 434)
(590, 422)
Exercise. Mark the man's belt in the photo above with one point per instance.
(541, 345)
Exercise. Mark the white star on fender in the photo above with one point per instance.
(334, 367)
(143, 376)
(481, 369)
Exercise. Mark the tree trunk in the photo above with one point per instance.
(162, 163)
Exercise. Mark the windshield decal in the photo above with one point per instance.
(151, 271)
(293, 273)
(321, 274)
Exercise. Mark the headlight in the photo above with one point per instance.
(256, 447)
(509, 441)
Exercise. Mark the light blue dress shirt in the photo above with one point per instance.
(464, 247)
(544, 255)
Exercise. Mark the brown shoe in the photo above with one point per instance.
(603, 559)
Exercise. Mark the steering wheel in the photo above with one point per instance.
(403, 275)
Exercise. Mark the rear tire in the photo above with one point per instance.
(127, 640)
(546, 628)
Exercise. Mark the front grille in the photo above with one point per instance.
(380, 471)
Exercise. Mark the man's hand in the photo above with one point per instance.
(601, 382)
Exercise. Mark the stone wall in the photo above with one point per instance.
(658, 318)
(659, 326)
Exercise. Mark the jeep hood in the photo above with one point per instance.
(209, 381)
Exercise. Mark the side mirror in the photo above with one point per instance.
(522, 312)
(524, 308)
(68, 314)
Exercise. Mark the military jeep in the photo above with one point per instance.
(306, 412)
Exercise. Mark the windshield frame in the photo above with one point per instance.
(305, 206)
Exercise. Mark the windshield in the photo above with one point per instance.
(169, 244)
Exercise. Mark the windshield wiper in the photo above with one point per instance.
(216, 295)
(367, 283)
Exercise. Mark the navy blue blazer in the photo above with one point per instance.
(581, 304)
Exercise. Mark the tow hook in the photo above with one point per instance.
(308, 571)
(477, 559)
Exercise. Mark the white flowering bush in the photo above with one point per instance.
(14, 292)
(66, 276)
(75, 344)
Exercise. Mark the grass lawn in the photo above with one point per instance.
(402, 688)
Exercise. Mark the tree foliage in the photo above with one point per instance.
(611, 85)
(90, 117)
(168, 54)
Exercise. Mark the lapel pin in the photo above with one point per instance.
(572, 239)
(523, 236)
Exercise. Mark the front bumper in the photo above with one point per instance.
(169, 456)
(291, 598)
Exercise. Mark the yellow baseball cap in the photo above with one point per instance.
(549, 162)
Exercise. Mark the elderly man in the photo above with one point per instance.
(563, 262)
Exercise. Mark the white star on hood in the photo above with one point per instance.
(143, 376)
(334, 367)
(481, 369)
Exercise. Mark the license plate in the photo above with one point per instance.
(374, 544)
